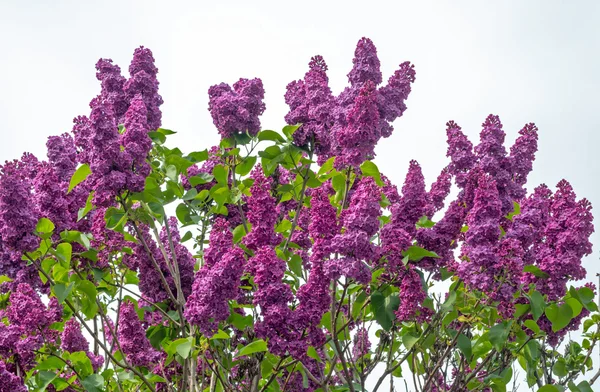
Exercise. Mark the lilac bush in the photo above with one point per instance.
(286, 261)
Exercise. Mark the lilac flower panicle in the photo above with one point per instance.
(362, 344)
(262, 213)
(180, 254)
(113, 82)
(136, 144)
(482, 237)
(62, 155)
(412, 296)
(355, 142)
(522, 154)
(460, 151)
(365, 64)
(236, 110)
(143, 81)
(18, 217)
(132, 338)
(414, 202)
(438, 192)
(392, 97)
(213, 287)
(10, 382)
(311, 104)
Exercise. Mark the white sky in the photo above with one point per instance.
(525, 61)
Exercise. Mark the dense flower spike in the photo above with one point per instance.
(522, 155)
(311, 104)
(113, 82)
(62, 155)
(143, 81)
(213, 287)
(18, 218)
(412, 296)
(262, 213)
(236, 110)
(355, 142)
(51, 198)
(481, 264)
(72, 340)
(438, 192)
(414, 202)
(10, 382)
(136, 144)
(365, 64)
(132, 338)
(392, 96)
(362, 344)
(361, 221)
(460, 151)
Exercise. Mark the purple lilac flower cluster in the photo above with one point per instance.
(350, 125)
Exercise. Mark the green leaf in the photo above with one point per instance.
(61, 291)
(88, 207)
(51, 363)
(254, 347)
(532, 325)
(44, 378)
(220, 174)
(238, 233)
(560, 368)
(289, 130)
(416, 253)
(383, 308)
(409, 340)
(549, 388)
(312, 352)
(370, 169)
(538, 304)
(538, 273)
(327, 166)
(79, 176)
(184, 348)
(449, 303)
(157, 137)
(246, 165)
(464, 344)
(166, 131)
(64, 252)
(220, 335)
(88, 300)
(270, 135)
(198, 156)
(585, 386)
(560, 316)
(93, 383)
(44, 226)
(498, 334)
(200, 179)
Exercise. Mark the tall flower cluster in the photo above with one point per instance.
(132, 338)
(311, 104)
(361, 222)
(214, 286)
(178, 255)
(350, 125)
(273, 297)
(18, 216)
(236, 110)
(143, 82)
(262, 213)
(9, 382)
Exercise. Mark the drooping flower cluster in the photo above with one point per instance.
(362, 344)
(236, 110)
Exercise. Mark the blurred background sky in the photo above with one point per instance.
(527, 61)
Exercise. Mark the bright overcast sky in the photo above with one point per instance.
(527, 61)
